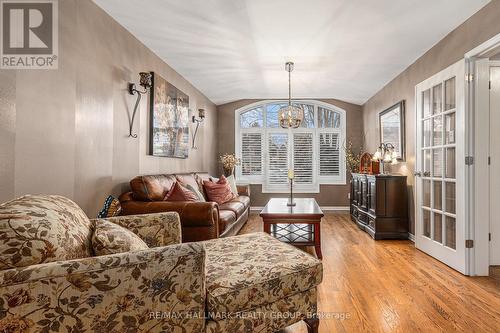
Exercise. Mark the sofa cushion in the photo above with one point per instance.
(36, 229)
(200, 178)
(248, 271)
(226, 217)
(110, 238)
(152, 187)
(219, 192)
(232, 183)
(197, 192)
(187, 179)
(181, 193)
(235, 206)
(243, 199)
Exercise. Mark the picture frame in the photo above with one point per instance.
(392, 128)
(169, 120)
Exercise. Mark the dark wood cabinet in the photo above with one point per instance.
(379, 205)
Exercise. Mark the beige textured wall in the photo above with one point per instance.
(480, 27)
(65, 131)
(330, 195)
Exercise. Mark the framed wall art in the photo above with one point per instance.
(392, 128)
(169, 130)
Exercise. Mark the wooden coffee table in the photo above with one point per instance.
(298, 225)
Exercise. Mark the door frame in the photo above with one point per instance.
(462, 170)
(478, 110)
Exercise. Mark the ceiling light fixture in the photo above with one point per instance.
(290, 116)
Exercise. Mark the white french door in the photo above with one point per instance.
(440, 166)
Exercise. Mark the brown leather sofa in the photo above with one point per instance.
(199, 220)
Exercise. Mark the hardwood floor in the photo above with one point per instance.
(390, 286)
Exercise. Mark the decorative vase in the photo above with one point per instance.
(228, 171)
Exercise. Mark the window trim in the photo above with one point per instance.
(318, 180)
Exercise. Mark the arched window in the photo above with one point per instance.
(267, 151)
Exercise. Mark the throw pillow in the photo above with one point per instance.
(37, 229)
(219, 192)
(111, 208)
(196, 191)
(180, 193)
(232, 182)
(110, 238)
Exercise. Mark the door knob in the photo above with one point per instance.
(417, 174)
(427, 174)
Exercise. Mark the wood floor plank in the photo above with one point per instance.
(390, 286)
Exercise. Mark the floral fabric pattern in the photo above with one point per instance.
(249, 271)
(269, 318)
(127, 292)
(110, 238)
(36, 229)
(159, 229)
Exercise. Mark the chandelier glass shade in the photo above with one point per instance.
(290, 116)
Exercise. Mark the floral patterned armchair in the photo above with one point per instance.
(50, 282)
(125, 292)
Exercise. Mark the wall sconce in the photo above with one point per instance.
(145, 82)
(386, 153)
(198, 121)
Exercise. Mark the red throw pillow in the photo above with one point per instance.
(180, 193)
(219, 192)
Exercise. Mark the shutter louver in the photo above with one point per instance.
(329, 154)
(251, 154)
(303, 158)
(277, 173)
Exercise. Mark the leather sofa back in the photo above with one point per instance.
(156, 187)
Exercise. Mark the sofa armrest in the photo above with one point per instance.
(243, 190)
(160, 289)
(158, 229)
(199, 220)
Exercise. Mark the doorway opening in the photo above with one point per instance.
(483, 107)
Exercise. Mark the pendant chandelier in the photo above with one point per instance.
(290, 116)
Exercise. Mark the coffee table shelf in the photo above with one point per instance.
(298, 225)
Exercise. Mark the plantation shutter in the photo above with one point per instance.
(251, 154)
(277, 160)
(329, 154)
(303, 158)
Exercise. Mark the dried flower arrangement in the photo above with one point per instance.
(352, 157)
(229, 161)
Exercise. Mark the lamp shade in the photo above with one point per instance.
(378, 155)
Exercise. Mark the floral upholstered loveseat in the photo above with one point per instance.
(51, 282)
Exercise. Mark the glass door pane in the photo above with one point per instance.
(427, 223)
(449, 94)
(450, 228)
(437, 195)
(449, 195)
(437, 99)
(426, 103)
(449, 128)
(438, 228)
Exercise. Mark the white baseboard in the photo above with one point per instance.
(335, 208)
(411, 237)
(324, 208)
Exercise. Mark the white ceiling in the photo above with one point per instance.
(344, 49)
